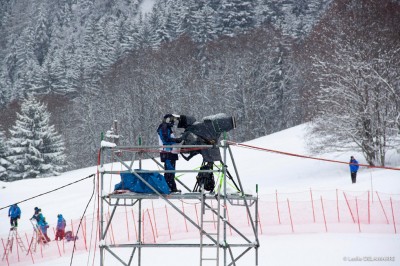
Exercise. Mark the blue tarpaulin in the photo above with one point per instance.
(131, 182)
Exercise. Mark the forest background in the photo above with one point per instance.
(272, 64)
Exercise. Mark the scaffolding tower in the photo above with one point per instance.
(209, 243)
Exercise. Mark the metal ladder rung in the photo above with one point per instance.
(214, 236)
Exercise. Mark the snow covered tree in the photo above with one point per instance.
(205, 25)
(36, 149)
(42, 39)
(357, 106)
(357, 103)
(237, 16)
(173, 20)
(4, 163)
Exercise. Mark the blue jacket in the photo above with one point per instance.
(166, 136)
(39, 218)
(354, 165)
(61, 223)
(164, 131)
(43, 225)
(14, 211)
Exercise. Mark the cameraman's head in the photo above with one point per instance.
(170, 118)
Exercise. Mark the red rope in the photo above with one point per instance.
(307, 157)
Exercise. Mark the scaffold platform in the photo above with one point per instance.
(213, 203)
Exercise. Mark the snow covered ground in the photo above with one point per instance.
(272, 172)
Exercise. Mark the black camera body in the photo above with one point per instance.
(206, 132)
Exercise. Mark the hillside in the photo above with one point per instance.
(273, 172)
(96, 61)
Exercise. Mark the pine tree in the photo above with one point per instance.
(42, 39)
(36, 150)
(237, 16)
(4, 163)
(205, 25)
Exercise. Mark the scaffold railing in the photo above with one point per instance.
(213, 204)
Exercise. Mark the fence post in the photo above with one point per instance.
(151, 224)
(58, 246)
(369, 212)
(348, 205)
(83, 233)
(323, 213)
(134, 224)
(41, 245)
(29, 251)
(143, 226)
(197, 215)
(169, 229)
(383, 209)
(337, 205)
(127, 223)
(290, 215)
(358, 216)
(277, 206)
(394, 221)
(184, 217)
(312, 204)
(155, 220)
(73, 232)
(227, 216)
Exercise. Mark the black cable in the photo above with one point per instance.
(48, 191)
(83, 215)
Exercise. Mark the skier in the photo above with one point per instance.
(353, 169)
(167, 155)
(14, 213)
(60, 227)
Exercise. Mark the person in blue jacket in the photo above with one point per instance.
(37, 215)
(166, 137)
(353, 169)
(43, 225)
(14, 213)
(60, 230)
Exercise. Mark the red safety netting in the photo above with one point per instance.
(278, 213)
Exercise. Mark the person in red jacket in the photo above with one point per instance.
(60, 233)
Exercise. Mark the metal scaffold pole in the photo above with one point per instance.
(140, 233)
(210, 237)
(224, 219)
(101, 233)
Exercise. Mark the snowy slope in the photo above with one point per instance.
(271, 172)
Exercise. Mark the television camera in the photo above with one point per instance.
(206, 132)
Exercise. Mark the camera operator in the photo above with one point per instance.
(167, 155)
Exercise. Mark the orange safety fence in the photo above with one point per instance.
(312, 211)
